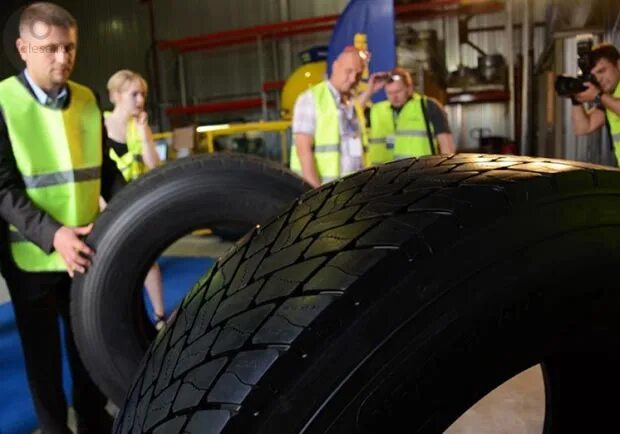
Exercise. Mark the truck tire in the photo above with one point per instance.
(398, 297)
(237, 192)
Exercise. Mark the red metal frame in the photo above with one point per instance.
(414, 11)
(210, 44)
(273, 85)
(251, 33)
(220, 106)
(409, 12)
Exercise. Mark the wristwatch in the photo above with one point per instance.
(597, 101)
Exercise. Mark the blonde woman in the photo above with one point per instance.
(133, 150)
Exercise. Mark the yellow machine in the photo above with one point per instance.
(300, 80)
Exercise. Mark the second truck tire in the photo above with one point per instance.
(234, 192)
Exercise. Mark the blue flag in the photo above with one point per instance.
(366, 24)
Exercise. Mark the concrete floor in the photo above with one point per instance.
(516, 407)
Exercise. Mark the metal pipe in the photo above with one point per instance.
(511, 70)
(182, 83)
(525, 148)
(275, 73)
(516, 26)
(155, 51)
(261, 74)
(285, 44)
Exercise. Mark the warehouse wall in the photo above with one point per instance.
(112, 35)
(232, 71)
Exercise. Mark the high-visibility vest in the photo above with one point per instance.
(58, 153)
(614, 126)
(327, 135)
(130, 164)
(402, 136)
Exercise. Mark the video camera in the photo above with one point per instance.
(566, 85)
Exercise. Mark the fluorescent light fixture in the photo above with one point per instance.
(207, 128)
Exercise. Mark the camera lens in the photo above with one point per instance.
(567, 86)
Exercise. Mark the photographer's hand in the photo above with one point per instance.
(589, 94)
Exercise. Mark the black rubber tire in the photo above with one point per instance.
(111, 328)
(399, 296)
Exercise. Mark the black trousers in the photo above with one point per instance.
(38, 299)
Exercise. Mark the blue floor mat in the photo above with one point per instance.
(16, 411)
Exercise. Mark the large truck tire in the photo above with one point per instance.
(232, 191)
(394, 299)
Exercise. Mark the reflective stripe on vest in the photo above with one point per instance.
(130, 164)
(326, 135)
(58, 153)
(614, 125)
(411, 137)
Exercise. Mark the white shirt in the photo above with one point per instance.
(42, 96)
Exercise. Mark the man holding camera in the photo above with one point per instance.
(407, 124)
(604, 95)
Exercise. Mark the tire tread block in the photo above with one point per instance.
(291, 319)
(155, 362)
(236, 303)
(337, 239)
(160, 406)
(336, 203)
(416, 173)
(284, 282)
(195, 353)
(283, 258)
(229, 268)
(344, 269)
(168, 367)
(290, 233)
(141, 411)
(439, 180)
(379, 191)
(396, 230)
(203, 319)
(197, 382)
(238, 330)
(484, 166)
(391, 205)
(353, 181)
(229, 389)
(330, 221)
(266, 235)
(245, 272)
(309, 205)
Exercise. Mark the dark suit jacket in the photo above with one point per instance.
(16, 207)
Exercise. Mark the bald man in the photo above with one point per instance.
(328, 124)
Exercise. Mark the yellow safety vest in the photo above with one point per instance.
(131, 164)
(407, 131)
(614, 125)
(58, 153)
(327, 135)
